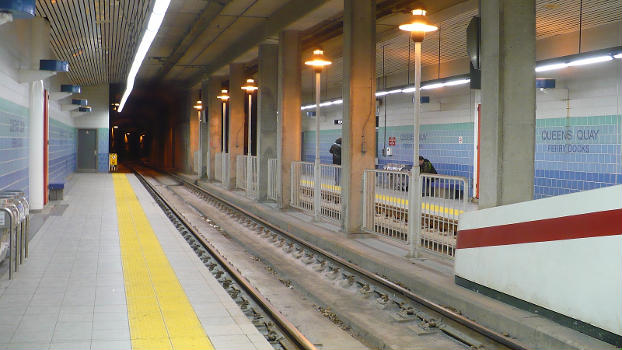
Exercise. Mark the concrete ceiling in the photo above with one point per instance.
(200, 38)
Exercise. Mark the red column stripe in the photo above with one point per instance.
(602, 223)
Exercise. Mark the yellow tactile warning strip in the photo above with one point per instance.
(160, 314)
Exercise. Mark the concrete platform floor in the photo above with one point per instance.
(71, 292)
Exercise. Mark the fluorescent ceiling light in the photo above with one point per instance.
(618, 55)
(552, 66)
(432, 86)
(155, 20)
(590, 60)
(410, 89)
(457, 82)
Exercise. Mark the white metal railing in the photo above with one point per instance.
(385, 209)
(330, 189)
(226, 160)
(218, 166)
(240, 172)
(302, 186)
(442, 199)
(303, 192)
(251, 176)
(273, 187)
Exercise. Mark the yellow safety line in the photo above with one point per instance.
(396, 200)
(160, 314)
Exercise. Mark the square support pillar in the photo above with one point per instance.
(237, 118)
(359, 106)
(289, 120)
(508, 102)
(213, 113)
(266, 114)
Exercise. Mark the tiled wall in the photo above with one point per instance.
(62, 151)
(327, 138)
(13, 146)
(102, 149)
(578, 153)
(572, 154)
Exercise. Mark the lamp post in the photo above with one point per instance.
(417, 28)
(224, 98)
(199, 107)
(250, 87)
(318, 62)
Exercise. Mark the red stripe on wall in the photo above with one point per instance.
(597, 224)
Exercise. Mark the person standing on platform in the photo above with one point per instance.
(335, 150)
(426, 167)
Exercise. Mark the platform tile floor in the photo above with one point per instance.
(70, 292)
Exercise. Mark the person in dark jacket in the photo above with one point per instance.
(426, 167)
(335, 150)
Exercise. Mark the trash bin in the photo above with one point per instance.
(56, 191)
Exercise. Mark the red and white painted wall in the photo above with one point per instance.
(561, 253)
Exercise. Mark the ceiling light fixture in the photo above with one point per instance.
(250, 86)
(318, 61)
(590, 60)
(198, 106)
(224, 95)
(618, 55)
(419, 26)
(552, 66)
(155, 20)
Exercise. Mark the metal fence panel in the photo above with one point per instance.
(302, 186)
(385, 210)
(273, 168)
(443, 199)
(330, 189)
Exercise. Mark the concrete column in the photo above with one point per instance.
(289, 121)
(237, 118)
(266, 114)
(508, 102)
(359, 106)
(213, 114)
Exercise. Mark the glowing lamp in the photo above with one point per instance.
(250, 86)
(419, 25)
(224, 95)
(199, 105)
(318, 61)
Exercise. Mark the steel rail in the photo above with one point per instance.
(286, 326)
(451, 315)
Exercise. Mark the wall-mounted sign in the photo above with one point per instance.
(460, 139)
(392, 141)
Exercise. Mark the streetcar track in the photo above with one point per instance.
(267, 319)
(431, 317)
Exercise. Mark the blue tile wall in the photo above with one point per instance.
(327, 138)
(102, 150)
(577, 154)
(448, 146)
(13, 146)
(62, 151)
(572, 154)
